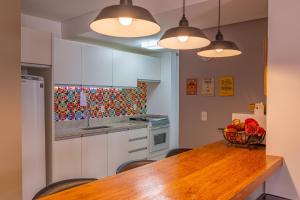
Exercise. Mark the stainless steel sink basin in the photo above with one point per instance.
(95, 128)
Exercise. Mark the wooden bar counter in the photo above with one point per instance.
(213, 172)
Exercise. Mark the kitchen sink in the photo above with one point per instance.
(95, 128)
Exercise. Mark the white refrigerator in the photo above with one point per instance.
(33, 136)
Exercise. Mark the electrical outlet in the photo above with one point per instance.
(204, 116)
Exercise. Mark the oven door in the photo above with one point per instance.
(159, 138)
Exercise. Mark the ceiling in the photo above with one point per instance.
(61, 10)
(201, 13)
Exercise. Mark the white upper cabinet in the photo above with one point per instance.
(36, 47)
(94, 156)
(82, 64)
(130, 67)
(149, 68)
(67, 62)
(125, 69)
(97, 65)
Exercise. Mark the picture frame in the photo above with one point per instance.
(226, 86)
(208, 87)
(192, 86)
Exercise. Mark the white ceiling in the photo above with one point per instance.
(201, 13)
(61, 10)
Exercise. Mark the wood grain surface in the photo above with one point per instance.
(212, 172)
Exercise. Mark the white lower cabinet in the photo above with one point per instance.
(126, 146)
(94, 156)
(66, 159)
(97, 156)
(117, 150)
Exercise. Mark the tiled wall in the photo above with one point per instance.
(102, 102)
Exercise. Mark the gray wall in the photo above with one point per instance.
(247, 70)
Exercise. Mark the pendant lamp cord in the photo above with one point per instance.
(219, 35)
(183, 21)
(183, 7)
(219, 23)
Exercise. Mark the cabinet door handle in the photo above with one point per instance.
(137, 150)
(160, 127)
(137, 139)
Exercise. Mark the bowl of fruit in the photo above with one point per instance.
(247, 133)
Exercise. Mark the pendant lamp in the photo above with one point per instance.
(184, 36)
(125, 20)
(220, 48)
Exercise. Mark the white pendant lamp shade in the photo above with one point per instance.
(125, 20)
(220, 48)
(183, 37)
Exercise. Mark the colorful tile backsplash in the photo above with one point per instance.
(102, 102)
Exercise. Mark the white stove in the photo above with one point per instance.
(159, 133)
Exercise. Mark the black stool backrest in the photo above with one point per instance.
(271, 197)
(133, 164)
(61, 186)
(174, 152)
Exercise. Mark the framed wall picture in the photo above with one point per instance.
(192, 86)
(208, 87)
(226, 86)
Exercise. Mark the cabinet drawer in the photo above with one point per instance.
(138, 143)
(138, 155)
(137, 133)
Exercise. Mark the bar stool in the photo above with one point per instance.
(270, 197)
(174, 152)
(133, 164)
(61, 186)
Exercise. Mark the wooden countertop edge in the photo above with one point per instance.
(265, 167)
(259, 180)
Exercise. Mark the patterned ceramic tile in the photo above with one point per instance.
(102, 102)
